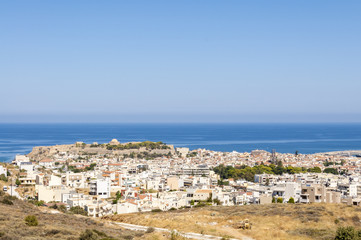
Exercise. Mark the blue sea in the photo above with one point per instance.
(305, 138)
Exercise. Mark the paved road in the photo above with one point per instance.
(197, 236)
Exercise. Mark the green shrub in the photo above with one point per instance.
(62, 208)
(100, 234)
(37, 203)
(7, 200)
(279, 200)
(201, 204)
(156, 210)
(78, 210)
(17, 182)
(346, 233)
(88, 235)
(3, 178)
(217, 201)
(31, 220)
(291, 200)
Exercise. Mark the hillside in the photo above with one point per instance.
(274, 221)
(55, 225)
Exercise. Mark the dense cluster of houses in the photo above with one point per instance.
(103, 186)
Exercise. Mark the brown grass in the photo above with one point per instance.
(274, 221)
(52, 226)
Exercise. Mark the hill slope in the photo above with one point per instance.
(274, 221)
(53, 226)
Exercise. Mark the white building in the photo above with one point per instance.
(100, 187)
(3, 170)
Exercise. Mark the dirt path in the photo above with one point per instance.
(197, 236)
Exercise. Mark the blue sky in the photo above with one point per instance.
(180, 61)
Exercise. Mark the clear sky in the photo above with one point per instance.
(180, 61)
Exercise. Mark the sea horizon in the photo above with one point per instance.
(306, 138)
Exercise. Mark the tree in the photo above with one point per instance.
(331, 170)
(118, 195)
(315, 170)
(192, 202)
(291, 200)
(17, 182)
(273, 200)
(279, 200)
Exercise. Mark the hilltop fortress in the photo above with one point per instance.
(112, 149)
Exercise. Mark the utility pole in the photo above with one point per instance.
(11, 186)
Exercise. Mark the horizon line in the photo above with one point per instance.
(195, 122)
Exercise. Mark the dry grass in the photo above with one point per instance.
(52, 226)
(274, 221)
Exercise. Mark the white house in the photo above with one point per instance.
(3, 170)
(100, 187)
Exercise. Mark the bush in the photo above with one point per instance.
(37, 203)
(54, 206)
(7, 200)
(31, 220)
(17, 182)
(78, 210)
(201, 204)
(217, 201)
(100, 234)
(291, 200)
(279, 200)
(150, 230)
(3, 178)
(88, 235)
(346, 233)
(156, 210)
(62, 208)
(52, 232)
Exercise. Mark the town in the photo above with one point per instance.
(117, 178)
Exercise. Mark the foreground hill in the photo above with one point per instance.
(274, 221)
(54, 225)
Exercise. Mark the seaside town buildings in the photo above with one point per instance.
(103, 185)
